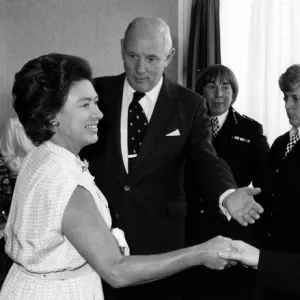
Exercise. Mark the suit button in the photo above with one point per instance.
(117, 216)
(201, 211)
(127, 187)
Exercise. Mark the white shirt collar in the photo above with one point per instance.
(222, 118)
(293, 131)
(148, 104)
(152, 94)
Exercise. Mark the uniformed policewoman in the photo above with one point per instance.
(240, 141)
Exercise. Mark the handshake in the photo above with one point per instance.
(221, 252)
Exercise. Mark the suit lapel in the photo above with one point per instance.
(115, 159)
(294, 150)
(160, 119)
(281, 149)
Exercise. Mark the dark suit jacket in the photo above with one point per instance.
(241, 143)
(149, 203)
(279, 271)
(282, 207)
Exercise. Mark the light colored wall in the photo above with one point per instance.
(88, 28)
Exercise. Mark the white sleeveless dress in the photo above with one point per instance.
(46, 181)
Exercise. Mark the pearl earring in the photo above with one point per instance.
(54, 122)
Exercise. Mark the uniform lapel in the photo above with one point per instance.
(294, 150)
(226, 132)
(280, 150)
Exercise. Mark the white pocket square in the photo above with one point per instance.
(174, 133)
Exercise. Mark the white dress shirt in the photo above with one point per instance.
(147, 102)
(293, 131)
(222, 118)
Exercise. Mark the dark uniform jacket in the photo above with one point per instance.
(282, 208)
(149, 202)
(279, 272)
(241, 143)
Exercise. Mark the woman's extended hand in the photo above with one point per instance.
(242, 252)
(211, 250)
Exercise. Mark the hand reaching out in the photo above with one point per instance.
(242, 207)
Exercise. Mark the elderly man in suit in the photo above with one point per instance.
(152, 128)
(238, 140)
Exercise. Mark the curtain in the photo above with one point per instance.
(204, 39)
(260, 39)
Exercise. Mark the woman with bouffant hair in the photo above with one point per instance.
(58, 232)
(41, 89)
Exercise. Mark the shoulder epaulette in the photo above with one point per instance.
(246, 117)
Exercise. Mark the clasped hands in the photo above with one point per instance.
(221, 252)
(224, 252)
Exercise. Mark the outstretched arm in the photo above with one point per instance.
(87, 231)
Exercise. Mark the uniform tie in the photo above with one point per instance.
(292, 143)
(215, 126)
(137, 127)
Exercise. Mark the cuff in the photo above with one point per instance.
(120, 237)
(221, 199)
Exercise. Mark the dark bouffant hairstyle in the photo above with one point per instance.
(41, 89)
(289, 78)
(212, 74)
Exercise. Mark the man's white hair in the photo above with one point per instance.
(158, 24)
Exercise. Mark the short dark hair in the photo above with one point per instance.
(41, 89)
(212, 74)
(289, 78)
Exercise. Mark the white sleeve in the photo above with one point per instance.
(222, 208)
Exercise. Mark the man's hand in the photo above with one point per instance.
(210, 250)
(244, 253)
(242, 207)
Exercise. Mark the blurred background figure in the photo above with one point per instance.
(240, 141)
(14, 145)
(5, 201)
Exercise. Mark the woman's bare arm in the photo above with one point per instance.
(86, 229)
